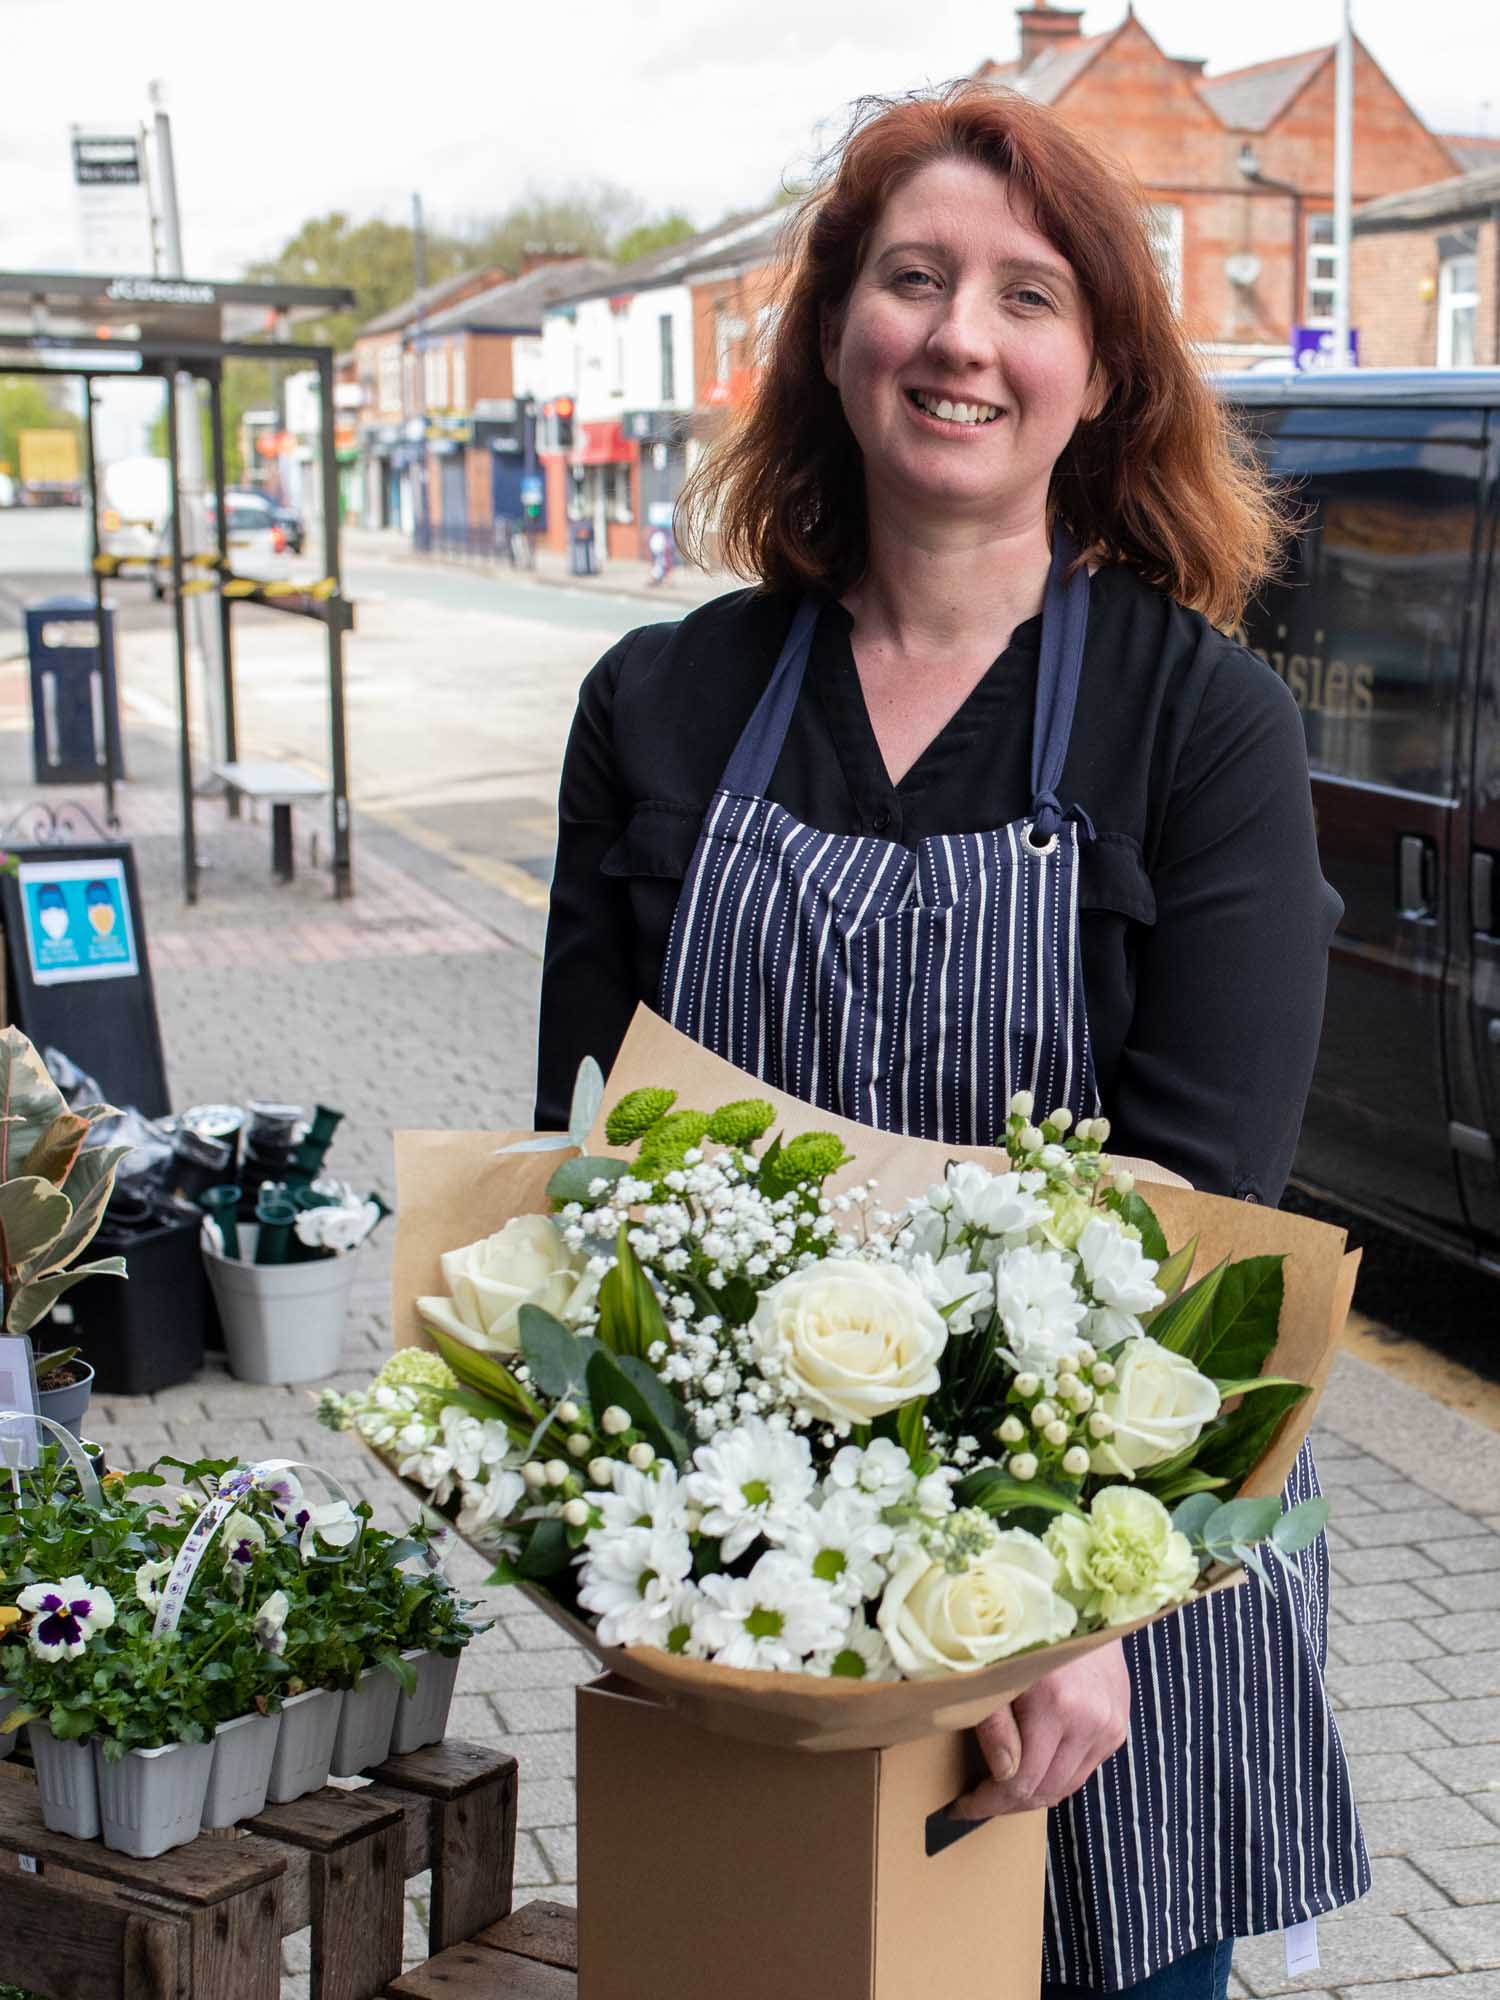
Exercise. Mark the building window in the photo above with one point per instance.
(668, 371)
(766, 322)
(389, 364)
(460, 376)
(617, 492)
(729, 331)
(1321, 297)
(1164, 225)
(1458, 310)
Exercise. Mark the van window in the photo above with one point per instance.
(1366, 625)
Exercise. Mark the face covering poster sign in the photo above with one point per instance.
(78, 921)
(77, 968)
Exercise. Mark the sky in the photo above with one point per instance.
(278, 115)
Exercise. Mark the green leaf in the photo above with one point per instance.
(1138, 1212)
(1300, 1526)
(1173, 1273)
(1188, 1519)
(996, 1492)
(911, 1432)
(588, 1095)
(1189, 1481)
(29, 1100)
(557, 1357)
(630, 1319)
(626, 1380)
(1234, 1445)
(33, 1214)
(546, 1552)
(1244, 1321)
(1241, 1521)
(1180, 1325)
(504, 1573)
(89, 1188)
(52, 1157)
(572, 1179)
(1249, 1386)
(490, 1377)
(34, 1298)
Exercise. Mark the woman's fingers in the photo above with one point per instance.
(1053, 1737)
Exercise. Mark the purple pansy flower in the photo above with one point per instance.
(65, 1616)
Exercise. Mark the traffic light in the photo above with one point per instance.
(562, 417)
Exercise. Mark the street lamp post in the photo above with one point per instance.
(1343, 150)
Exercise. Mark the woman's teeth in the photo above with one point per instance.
(955, 413)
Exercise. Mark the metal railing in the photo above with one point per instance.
(505, 542)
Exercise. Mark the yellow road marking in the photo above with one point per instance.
(502, 875)
(1447, 1382)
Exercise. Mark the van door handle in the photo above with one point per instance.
(1416, 877)
(1482, 893)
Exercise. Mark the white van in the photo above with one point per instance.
(135, 504)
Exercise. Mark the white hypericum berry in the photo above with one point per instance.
(1022, 1104)
(1062, 1118)
(1027, 1385)
(1104, 1373)
(1087, 1352)
(1076, 1462)
(642, 1457)
(1032, 1140)
(534, 1473)
(601, 1471)
(1042, 1414)
(1057, 1432)
(1123, 1183)
(576, 1513)
(1100, 1426)
(1022, 1465)
(567, 1413)
(557, 1471)
(1068, 1386)
(580, 1444)
(614, 1421)
(1011, 1431)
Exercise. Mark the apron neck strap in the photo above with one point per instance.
(748, 771)
(1065, 617)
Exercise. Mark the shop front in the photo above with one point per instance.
(603, 468)
(660, 438)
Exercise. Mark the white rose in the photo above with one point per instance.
(1004, 1601)
(1158, 1403)
(526, 1263)
(852, 1340)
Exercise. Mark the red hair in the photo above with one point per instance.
(1160, 480)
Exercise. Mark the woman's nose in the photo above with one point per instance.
(962, 336)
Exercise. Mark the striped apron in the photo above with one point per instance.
(916, 989)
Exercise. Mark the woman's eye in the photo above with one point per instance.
(1028, 295)
(918, 279)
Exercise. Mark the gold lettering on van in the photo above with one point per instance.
(1321, 686)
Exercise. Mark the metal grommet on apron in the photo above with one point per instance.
(914, 988)
(917, 989)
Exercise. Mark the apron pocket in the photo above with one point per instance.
(1112, 876)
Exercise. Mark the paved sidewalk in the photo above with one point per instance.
(620, 576)
(413, 1005)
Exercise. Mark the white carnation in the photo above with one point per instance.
(1038, 1307)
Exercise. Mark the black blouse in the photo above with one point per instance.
(1205, 920)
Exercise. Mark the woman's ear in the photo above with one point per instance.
(830, 338)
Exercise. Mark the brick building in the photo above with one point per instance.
(1425, 275)
(1237, 168)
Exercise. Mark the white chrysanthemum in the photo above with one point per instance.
(653, 1499)
(1038, 1307)
(628, 1579)
(750, 1481)
(682, 1624)
(774, 1617)
(882, 1470)
(1003, 1205)
(860, 1655)
(1119, 1273)
(488, 1501)
(843, 1544)
(948, 1282)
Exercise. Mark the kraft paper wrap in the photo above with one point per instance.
(452, 1188)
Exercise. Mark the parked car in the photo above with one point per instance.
(135, 499)
(287, 519)
(255, 544)
(1386, 629)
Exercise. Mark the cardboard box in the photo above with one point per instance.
(708, 1866)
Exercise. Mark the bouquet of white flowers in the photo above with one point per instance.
(725, 1409)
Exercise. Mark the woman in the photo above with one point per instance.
(945, 808)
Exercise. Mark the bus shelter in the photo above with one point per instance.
(101, 327)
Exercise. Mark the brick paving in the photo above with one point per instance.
(413, 1004)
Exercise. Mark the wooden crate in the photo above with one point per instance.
(205, 1921)
(532, 1955)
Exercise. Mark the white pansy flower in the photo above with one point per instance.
(750, 1481)
(65, 1616)
(241, 1538)
(628, 1578)
(860, 1655)
(1002, 1601)
(528, 1262)
(843, 1543)
(1120, 1275)
(849, 1340)
(1157, 1404)
(269, 1625)
(149, 1577)
(948, 1282)
(334, 1525)
(1003, 1205)
(1038, 1307)
(774, 1617)
(881, 1469)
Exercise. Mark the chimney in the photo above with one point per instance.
(1045, 28)
(534, 257)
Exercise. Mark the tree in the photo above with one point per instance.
(588, 218)
(649, 236)
(30, 403)
(376, 260)
(247, 386)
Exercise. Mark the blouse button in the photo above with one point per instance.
(881, 819)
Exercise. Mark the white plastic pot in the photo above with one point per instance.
(65, 1783)
(244, 1750)
(422, 1716)
(150, 1800)
(282, 1322)
(304, 1744)
(364, 1731)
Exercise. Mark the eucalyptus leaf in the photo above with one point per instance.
(557, 1357)
(574, 1178)
(544, 1142)
(588, 1095)
(1241, 1521)
(1300, 1526)
(1250, 1557)
(1189, 1518)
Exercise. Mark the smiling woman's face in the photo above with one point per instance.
(963, 356)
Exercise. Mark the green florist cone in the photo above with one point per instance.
(274, 1215)
(222, 1203)
(307, 1160)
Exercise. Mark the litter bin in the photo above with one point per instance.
(583, 556)
(72, 666)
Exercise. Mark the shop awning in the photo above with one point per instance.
(602, 444)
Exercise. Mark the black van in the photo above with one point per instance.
(1386, 628)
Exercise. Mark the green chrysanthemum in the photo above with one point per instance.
(636, 1113)
(810, 1157)
(741, 1123)
(664, 1145)
(416, 1368)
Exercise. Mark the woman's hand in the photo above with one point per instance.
(1050, 1740)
